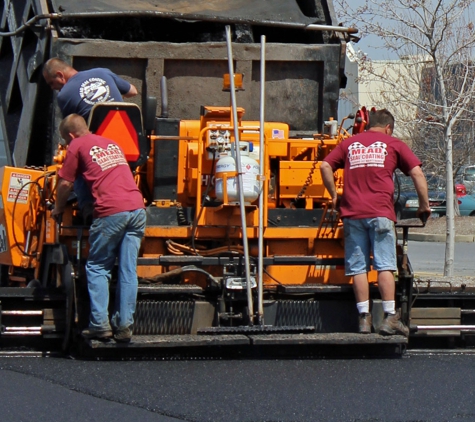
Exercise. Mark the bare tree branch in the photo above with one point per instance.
(431, 87)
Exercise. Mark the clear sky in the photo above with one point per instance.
(370, 42)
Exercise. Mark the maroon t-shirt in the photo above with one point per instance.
(103, 166)
(369, 160)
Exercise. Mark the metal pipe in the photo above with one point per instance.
(239, 175)
(28, 313)
(173, 138)
(445, 327)
(16, 329)
(164, 96)
(182, 16)
(206, 18)
(27, 242)
(260, 278)
(29, 23)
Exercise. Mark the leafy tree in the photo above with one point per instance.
(431, 87)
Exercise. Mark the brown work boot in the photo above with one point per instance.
(365, 323)
(123, 335)
(393, 325)
(96, 333)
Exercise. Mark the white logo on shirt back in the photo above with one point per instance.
(95, 90)
(370, 156)
(107, 158)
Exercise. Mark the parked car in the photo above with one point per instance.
(403, 186)
(467, 205)
(437, 203)
(468, 177)
(407, 201)
(460, 190)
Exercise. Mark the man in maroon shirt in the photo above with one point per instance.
(116, 231)
(369, 160)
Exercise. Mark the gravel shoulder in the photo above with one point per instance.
(463, 225)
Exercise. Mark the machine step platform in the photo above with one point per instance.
(171, 341)
(200, 340)
(327, 339)
(257, 329)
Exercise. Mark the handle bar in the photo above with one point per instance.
(424, 216)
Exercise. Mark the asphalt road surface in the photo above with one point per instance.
(435, 388)
(422, 388)
(428, 257)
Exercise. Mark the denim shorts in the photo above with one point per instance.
(365, 236)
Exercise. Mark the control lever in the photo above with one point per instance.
(405, 236)
(405, 276)
(423, 217)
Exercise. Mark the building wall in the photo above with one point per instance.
(391, 84)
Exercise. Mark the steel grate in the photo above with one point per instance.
(298, 313)
(163, 317)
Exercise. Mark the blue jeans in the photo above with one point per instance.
(365, 236)
(116, 236)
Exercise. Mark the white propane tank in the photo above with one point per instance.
(250, 172)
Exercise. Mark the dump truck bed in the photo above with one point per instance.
(184, 41)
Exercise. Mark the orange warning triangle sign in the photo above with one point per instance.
(118, 127)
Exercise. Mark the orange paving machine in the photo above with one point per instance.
(242, 247)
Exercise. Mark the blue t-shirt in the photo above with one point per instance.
(89, 87)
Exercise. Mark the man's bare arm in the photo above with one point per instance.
(63, 189)
(329, 181)
(420, 183)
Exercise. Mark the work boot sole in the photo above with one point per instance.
(97, 335)
(386, 331)
(122, 340)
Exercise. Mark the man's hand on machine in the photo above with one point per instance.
(57, 215)
(423, 214)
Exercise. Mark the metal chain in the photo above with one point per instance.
(309, 179)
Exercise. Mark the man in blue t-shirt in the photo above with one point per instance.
(79, 91)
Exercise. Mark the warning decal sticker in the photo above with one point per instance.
(17, 191)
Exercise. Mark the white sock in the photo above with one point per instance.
(389, 307)
(363, 307)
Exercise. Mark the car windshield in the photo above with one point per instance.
(434, 183)
(469, 173)
(405, 182)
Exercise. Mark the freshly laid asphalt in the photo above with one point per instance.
(435, 388)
